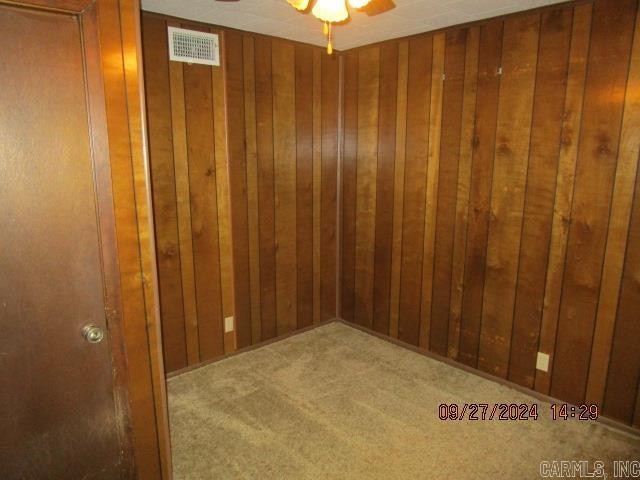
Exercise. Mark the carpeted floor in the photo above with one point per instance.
(337, 403)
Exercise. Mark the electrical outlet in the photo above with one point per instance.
(542, 363)
(228, 324)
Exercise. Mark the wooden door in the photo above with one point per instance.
(63, 406)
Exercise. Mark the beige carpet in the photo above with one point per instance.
(337, 403)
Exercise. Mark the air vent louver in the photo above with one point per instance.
(193, 47)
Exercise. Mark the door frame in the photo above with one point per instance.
(115, 103)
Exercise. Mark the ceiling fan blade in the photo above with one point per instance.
(302, 5)
(376, 7)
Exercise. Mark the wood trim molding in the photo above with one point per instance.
(120, 44)
(73, 6)
(133, 71)
(106, 219)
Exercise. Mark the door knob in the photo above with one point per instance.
(92, 334)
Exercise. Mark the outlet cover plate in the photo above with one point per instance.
(542, 363)
(228, 324)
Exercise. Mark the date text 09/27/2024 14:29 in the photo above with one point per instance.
(514, 411)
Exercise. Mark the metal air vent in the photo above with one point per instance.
(193, 47)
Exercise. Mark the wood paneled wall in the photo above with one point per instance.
(283, 159)
(488, 206)
(244, 165)
(187, 149)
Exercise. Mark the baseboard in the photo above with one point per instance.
(606, 421)
(255, 346)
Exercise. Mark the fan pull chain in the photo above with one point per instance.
(326, 30)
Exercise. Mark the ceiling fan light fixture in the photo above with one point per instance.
(358, 3)
(332, 11)
(299, 4)
(335, 11)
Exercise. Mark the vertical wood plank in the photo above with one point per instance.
(519, 52)
(264, 134)
(284, 167)
(433, 169)
(624, 364)
(198, 99)
(252, 184)
(142, 339)
(237, 171)
(398, 186)
(222, 192)
(611, 38)
(564, 187)
(463, 189)
(445, 215)
(136, 254)
(617, 240)
(183, 195)
(480, 194)
(164, 195)
(304, 177)
(329, 194)
(317, 184)
(384, 186)
(415, 175)
(555, 39)
(367, 159)
(349, 169)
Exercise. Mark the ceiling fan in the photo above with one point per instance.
(335, 11)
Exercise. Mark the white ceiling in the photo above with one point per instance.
(276, 17)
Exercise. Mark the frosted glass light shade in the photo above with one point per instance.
(330, 10)
(299, 4)
(358, 3)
